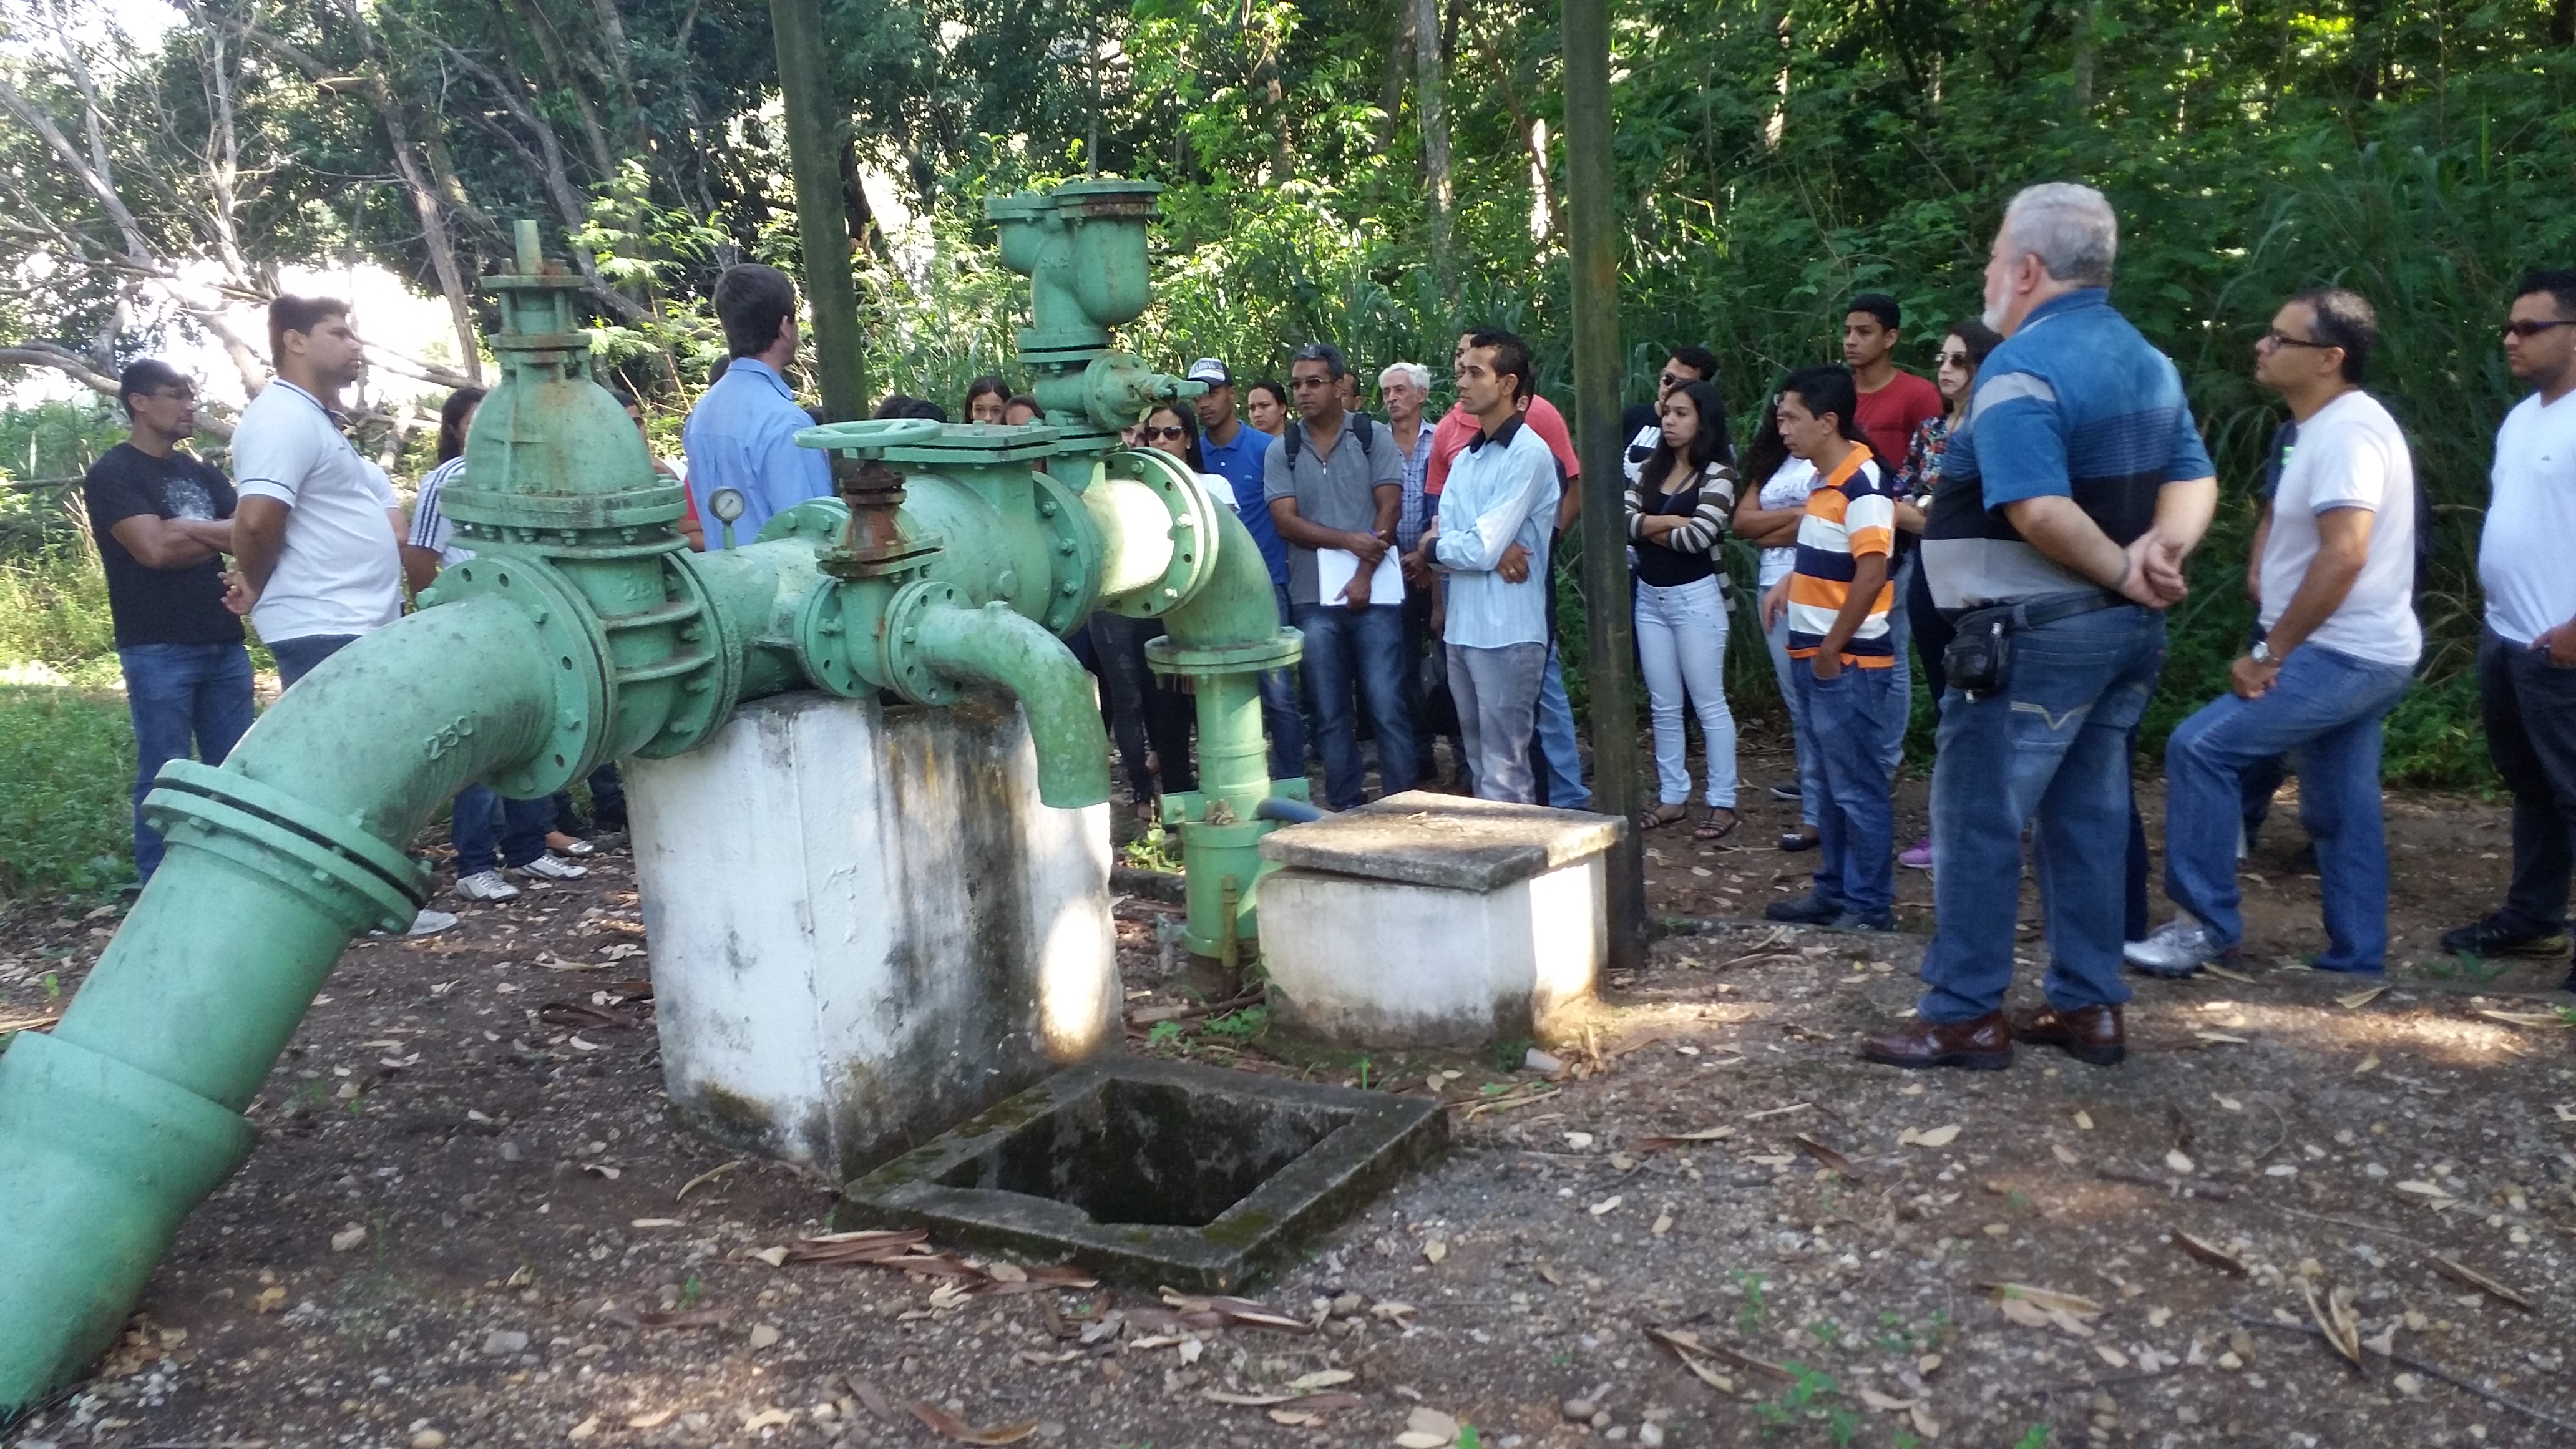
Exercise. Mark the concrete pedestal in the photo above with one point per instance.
(864, 926)
(1430, 920)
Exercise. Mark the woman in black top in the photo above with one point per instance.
(1148, 715)
(1678, 502)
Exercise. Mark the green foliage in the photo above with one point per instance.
(1245, 1025)
(66, 820)
(2034, 1437)
(53, 612)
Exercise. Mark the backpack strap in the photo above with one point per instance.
(1295, 438)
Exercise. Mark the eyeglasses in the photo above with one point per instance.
(1175, 434)
(2278, 338)
(174, 394)
(1303, 383)
(2527, 330)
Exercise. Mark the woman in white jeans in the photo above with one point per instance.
(1678, 501)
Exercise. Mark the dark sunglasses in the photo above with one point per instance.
(2529, 330)
(1175, 434)
(1671, 380)
(1954, 359)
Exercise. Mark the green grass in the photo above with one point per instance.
(53, 611)
(65, 820)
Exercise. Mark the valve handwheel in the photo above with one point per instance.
(867, 436)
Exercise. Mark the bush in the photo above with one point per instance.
(53, 611)
(66, 819)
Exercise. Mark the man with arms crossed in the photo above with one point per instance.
(2338, 648)
(318, 535)
(1500, 496)
(2068, 499)
(2527, 653)
(160, 516)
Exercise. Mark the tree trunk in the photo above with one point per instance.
(1431, 112)
(1399, 59)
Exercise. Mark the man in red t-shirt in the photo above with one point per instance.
(1893, 402)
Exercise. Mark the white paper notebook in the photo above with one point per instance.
(1335, 567)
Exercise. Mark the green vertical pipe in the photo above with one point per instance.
(1591, 239)
(816, 128)
(993, 645)
(116, 1125)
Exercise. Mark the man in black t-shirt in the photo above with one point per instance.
(162, 518)
(1643, 425)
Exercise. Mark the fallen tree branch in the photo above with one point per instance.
(2431, 1370)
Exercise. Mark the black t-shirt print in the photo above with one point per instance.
(159, 606)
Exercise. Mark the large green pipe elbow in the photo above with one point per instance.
(117, 1124)
(994, 645)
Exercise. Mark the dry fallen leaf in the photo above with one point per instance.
(1006, 1272)
(1941, 1136)
(2369, 1063)
(2361, 998)
(774, 1257)
(947, 1424)
(1885, 1403)
(2228, 1102)
(2179, 1163)
(1705, 1134)
(1830, 1158)
(2110, 1355)
(2223, 974)
(767, 1419)
(1435, 1250)
(2526, 1018)
(2210, 1253)
(1924, 1423)
(1608, 1204)
(1663, 1224)
(764, 1336)
(348, 1238)
(2048, 1298)
(2335, 1315)
(2064, 1154)
(2223, 1038)
(1321, 1379)
(1303, 1418)
(1427, 1428)
(583, 1430)
(2480, 1281)
(2426, 1190)
(653, 1420)
(2084, 1120)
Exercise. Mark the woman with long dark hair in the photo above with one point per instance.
(986, 397)
(1963, 351)
(1149, 718)
(1265, 406)
(1677, 508)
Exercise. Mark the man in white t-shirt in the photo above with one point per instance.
(2527, 652)
(318, 531)
(2338, 650)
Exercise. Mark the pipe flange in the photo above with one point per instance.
(505, 515)
(823, 520)
(585, 697)
(907, 672)
(1194, 530)
(841, 659)
(1073, 553)
(1276, 652)
(332, 860)
(708, 694)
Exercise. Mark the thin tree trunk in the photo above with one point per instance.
(1431, 113)
(1399, 59)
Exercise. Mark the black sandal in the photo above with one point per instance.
(1710, 832)
(1662, 815)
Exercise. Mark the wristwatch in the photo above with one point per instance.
(2261, 653)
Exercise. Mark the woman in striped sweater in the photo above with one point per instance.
(1679, 499)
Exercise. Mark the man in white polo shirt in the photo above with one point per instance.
(2527, 653)
(317, 535)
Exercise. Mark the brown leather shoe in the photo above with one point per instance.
(2087, 1033)
(1984, 1044)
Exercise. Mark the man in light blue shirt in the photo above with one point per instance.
(742, 434)
(1502, 491)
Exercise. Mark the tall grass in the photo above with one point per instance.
(65, 820)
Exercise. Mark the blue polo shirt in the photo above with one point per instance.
(742, 435)
(2075, 404)
(1239, 464)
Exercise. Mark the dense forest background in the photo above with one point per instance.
(1375, 174)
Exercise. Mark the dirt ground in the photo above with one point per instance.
(470, 1201)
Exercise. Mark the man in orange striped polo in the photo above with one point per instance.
(1841, 652)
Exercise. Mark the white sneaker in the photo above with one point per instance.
(548, 867)
(485, 885)
(430, 923)
(2179, 948)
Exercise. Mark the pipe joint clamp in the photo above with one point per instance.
(331, 860)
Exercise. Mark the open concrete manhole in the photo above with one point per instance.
(1158, 1173)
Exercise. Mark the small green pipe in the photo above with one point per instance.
(993, 645)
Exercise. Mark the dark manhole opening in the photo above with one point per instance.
(1151, 1152)
(1155, 1172)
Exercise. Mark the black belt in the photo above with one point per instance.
(2043, 611)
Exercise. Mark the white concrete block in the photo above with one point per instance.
(1430, 921)
(864, 926)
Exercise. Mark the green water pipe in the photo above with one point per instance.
(993, 645)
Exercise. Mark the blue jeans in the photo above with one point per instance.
(176, 694)
(2056, 746)
(1811, 768)
(1900, 633)
(1279, 713)
(481, 819)
(2327, 708)
(297, 658)
(1856, 831)
(1344, 645)
(1552, 744)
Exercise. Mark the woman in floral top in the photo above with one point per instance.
(1963, 351)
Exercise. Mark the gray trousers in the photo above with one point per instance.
(1497, 694)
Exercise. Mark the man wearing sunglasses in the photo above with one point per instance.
(2338, 648)
(2527, 652)
(163, 518)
